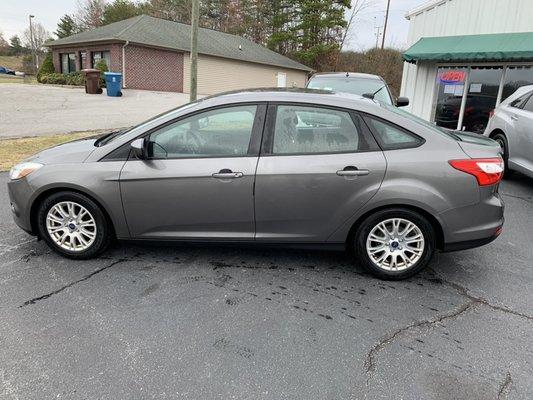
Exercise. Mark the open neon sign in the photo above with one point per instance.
(453, 77)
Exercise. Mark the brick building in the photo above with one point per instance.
(154, 54)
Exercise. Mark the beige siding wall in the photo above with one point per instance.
(216, 74)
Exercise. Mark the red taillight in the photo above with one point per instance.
(488, 171)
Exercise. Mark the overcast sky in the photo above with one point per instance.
(14, 19)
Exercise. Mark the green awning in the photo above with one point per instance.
(471, 48)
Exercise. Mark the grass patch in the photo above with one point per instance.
(12, 151)
(11, 62)
(4, 78)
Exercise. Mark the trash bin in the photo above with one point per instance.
(92, 81)
(113, 82)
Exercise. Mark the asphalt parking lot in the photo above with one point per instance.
(166, 322)
(35, 110)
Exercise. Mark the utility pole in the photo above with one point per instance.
(32, 46)
(385, 27)
(377, 33)
(194, 48)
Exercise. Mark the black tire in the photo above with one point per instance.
(502, 140)
(364, 229)
(103, 229)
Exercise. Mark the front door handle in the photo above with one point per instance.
(352, 171)
(514, 117)
(227, 174)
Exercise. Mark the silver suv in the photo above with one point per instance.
(296, 167)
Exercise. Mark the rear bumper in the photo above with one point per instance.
(474, 225)
(469, 244)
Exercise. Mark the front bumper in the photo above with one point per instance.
(20, 196)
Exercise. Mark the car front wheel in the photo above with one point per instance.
(73, 225)
(394, 243)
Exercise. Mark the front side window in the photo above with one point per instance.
(529, 105)
(307, 130)
(217, 133)
(392, 137)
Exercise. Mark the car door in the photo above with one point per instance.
(317, 167)
(197, 182)
(523, 123)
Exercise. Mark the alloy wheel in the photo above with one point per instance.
(71, 226)
(395, 244)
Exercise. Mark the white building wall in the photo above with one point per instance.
(450, 18)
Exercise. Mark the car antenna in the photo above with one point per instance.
(372, 95)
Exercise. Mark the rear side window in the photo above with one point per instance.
(310, 130)
(521, 101)
(529, 105)
(392, 137)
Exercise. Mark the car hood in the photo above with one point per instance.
(70, 152)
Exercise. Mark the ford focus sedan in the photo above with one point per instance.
(292, 167)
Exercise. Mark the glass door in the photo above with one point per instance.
(483, 85)
(450, 89)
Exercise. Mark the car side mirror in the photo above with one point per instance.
(138, 148)
(402, 102)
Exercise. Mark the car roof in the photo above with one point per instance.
(293, 95)
(516, 94)
(355, 75)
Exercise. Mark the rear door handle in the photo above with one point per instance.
(352, 171)
(227, 174)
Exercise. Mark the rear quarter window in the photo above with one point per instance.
(392, 137)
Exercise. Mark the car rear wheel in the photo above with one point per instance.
(394, 243)
(73, 225)
(502, 141)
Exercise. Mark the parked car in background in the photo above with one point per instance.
(284, 167)
(4, 70)
(356, 83)
(511, 126)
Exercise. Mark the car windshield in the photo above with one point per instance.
(433, 127)
(352, 85)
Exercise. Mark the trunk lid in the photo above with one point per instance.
(478, 146)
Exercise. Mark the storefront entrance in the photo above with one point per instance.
(466, 95)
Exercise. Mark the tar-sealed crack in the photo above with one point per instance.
(505, 386)
(465, 292)
(370, 360)
(85, 278)
(528, 199)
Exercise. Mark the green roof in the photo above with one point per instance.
(471, 48)
(156, 32)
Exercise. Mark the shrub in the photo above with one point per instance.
(47, 67)
(101, 65)
(27, 64)
(74, 78)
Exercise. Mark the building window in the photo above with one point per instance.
(450, 88)
(516, 77)
(68, 63)
(99, 55)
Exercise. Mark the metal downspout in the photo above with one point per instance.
(124, 64)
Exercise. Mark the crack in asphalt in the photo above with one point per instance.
(465, 292)
(505, 386)
(85, 278)
(370, 359)
(527, 199)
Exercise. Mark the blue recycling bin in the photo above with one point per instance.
(113, 82)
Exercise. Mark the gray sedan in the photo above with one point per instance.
(271, 167)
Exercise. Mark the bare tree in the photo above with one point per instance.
(357, 7)
(90, 13)
(40, 36)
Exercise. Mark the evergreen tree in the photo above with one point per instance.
(66, 27)
(119, 10)
(15, 45)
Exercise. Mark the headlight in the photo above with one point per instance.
(23, 169)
